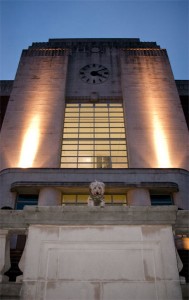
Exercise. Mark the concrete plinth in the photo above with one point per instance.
(101, 262)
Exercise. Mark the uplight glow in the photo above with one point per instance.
(161, 145)
(30, 144)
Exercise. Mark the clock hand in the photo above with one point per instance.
(101, 69)
(101, 75)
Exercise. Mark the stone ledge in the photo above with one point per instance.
(84, 215)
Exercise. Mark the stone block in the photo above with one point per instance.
(101, 262)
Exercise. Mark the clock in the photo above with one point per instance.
(94, 73)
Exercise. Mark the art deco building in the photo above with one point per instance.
(81, 110)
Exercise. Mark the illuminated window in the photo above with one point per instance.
(94, 136)
(118, 199)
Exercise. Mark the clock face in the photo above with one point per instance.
(94, 73)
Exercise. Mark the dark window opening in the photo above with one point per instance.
(161, 199)
(184, 256)
(23, 200)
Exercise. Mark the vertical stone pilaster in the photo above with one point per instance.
(138, 196)
(32, 128)
(4, 254)
(157, 135)
(49, 196)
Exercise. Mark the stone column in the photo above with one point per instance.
(138, 196)
(4, 254)
(49, 196)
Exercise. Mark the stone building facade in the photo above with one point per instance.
(81, 110)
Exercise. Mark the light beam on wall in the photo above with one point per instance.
(161, 145)
(30, 144)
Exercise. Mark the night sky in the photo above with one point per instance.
(23, 22)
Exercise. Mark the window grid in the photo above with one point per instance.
(94, 136)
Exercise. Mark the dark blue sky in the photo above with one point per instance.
(23, 22)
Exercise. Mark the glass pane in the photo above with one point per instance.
(101, 135)
(107, 198)
(85, 153)
(74, 120)
(100, 104)
(86, 142)
(69, 147)
(101, 125)
(66, 159)
(69, 142)
(69, 153)
(86, 129)
(86, 105)
(70, 125)
(69, 198)
(117, 135)
(118, 153)
(70, 115)
(70, 135)
(102, 147)
(119, 198)
(116, 114)
(86, 109)
(86, 135)
(117, 130)
(117, 120)
(121, 125)
(86, 120)
(101, 120)
(82, 198)
(102, 153)
(66, 130)
(120, 166)
(115, 104)
(102, 130)
(119, 159)
(102, 142)
(118, 142)
(72, 105)
(115, 109)
(85, 166)
(86, 115)
(100, 114)
(86, 147)
(86, 159)
(118, 147)
(85, 125)
(101, 109)
(71, 110)
(68, 165)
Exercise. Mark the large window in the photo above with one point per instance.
(94, 136)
